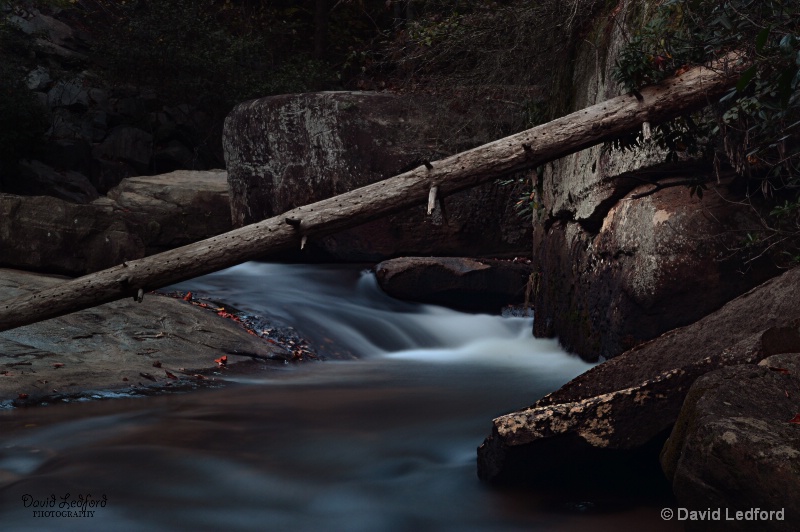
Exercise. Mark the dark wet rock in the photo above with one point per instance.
(119, 345)
(129, 145)
(48, 234)
(38, 79)
(287, 151)
(655, 263)
(35, 22)
(460, 283)
(37, 178)
(71, 94)
(733, 446)
(629, 404)
(143, 216)
(177, 208)
(174, 156)
(69, 154)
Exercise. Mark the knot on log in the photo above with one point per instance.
(294, 222)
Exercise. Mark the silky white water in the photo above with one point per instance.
(385, 440)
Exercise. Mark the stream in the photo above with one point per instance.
(382, 439)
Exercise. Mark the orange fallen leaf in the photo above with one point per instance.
(795, 419)
(170, 375)
(222, 361)
(188, 296)
(199, 377)
(23, 396)
(780, 370)
(58, 365)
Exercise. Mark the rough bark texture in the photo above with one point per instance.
(530, 148)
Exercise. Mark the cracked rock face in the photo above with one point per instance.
(734, 447)
(626, 406)
(286, 151)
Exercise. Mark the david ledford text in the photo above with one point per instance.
(65, 502)
(726, 514)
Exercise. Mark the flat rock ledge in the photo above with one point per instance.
(624, 409)
(736, 445)
(118, 349)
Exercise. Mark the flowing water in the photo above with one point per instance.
(383, 442)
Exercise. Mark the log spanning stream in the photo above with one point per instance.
(382, 442)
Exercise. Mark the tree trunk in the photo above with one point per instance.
(692, 90)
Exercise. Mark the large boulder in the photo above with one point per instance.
(656, 263)
(287, 151)
(143, 216)
(626, 406)
(736, 445)
(177, 208)
(461, 283)
(620, 262)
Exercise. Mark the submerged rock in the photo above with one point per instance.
(460, 283)
(736, 447)
(626, 406)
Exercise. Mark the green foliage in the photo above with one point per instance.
(755, 125)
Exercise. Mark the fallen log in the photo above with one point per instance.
(691, 90)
